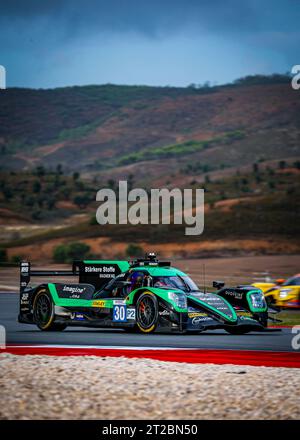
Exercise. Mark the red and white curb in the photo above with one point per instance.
(167, 354)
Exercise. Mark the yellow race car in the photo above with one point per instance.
(283, 293)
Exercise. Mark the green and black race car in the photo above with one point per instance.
(141, 295)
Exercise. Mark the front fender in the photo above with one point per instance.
(216, 304)
(160, 293)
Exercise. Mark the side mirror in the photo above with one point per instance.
(280, 281)
(218, 284)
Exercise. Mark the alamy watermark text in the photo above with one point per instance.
(157, 206)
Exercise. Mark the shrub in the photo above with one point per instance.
(66, 253)
(36, 214)
(282, 164)
(134, 250)
(93, 221)
(82, 200)
(78, 251)
(36, 186)
(16, 258)
(3, 255)
(60, 254)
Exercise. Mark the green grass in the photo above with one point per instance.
(82, 130)
(288, 317)
(80, 230)
(180, 149)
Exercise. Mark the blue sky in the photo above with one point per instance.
(168, 42)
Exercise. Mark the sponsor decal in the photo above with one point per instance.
(108, 272)
(237, 295)
(73, 289)
(101, 269)
(119, 301)
(99, 303)
(77, 317)
(25, 298)
(130, 314)
(214, 301)
(246, 317)
(25, 268)
(196, 314)
(24, 302)
(244, 314)
(200, 319)
(120, 313)
(164, 313)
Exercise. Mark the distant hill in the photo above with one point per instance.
(240, 142)
(115, 131)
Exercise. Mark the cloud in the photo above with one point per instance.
(154, 18)
(38, 38)
(150, 17)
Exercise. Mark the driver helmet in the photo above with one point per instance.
(136, 280)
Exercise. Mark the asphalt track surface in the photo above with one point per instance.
(17, 333)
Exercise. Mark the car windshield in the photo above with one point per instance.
(175, 282)
(294, 281)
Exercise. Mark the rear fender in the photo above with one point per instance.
(71, 295)
(27, 297)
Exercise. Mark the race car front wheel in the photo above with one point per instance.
(146, 313)
(43, 312)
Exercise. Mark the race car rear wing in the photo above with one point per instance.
(97, 272)
(26, 273)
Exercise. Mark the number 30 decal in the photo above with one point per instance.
(119, 313)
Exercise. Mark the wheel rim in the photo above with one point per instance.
(146, 312)
(42, 309)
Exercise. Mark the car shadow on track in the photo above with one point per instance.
(121, 333)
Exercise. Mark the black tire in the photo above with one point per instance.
(146, 313)
(43, 312)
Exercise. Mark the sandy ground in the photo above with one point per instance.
(46, 387)
(43, 251)
(231, 270)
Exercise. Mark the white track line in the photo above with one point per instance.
(121, 347)
(99, 347)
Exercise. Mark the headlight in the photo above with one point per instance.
(284, 293)
(258, 301)
(179, 299)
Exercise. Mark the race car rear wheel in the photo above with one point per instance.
(43, 312)
(147, 313)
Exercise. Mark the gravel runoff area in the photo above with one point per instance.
(48, 387)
